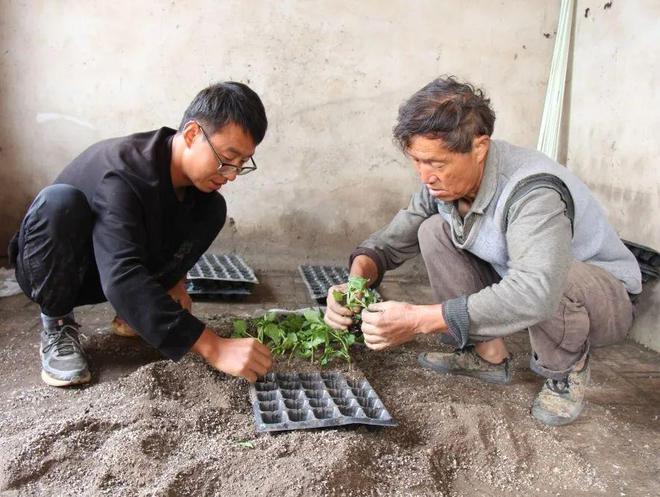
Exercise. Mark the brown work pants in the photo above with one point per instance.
(594, 310)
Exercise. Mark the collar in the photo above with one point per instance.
(488, 185)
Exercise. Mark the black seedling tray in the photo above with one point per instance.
(296, 401)
(222, 276)
(318, 279)
(648, 259)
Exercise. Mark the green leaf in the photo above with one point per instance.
(240, 328)
(316, 341)
(270, 317)
(246, 444)
(338, 296)
(290, 340)
(272, 331)
(312, 315)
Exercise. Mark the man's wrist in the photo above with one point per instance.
(205, 345)
(429, 319)
(366, 267)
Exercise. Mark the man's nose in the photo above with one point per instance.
(427, 175)
(231, 176)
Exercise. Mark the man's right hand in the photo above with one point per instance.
(336, 315)
(245, 357)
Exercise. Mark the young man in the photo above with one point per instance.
(126, 220)
(511, 241)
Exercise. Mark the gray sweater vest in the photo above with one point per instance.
(519, 171)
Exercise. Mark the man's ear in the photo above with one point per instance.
(480, 146)
(190, 132)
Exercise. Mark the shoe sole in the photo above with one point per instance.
(484, 376)
(56, 382)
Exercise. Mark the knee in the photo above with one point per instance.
(576, 279)
(63, 205)
(433, 231)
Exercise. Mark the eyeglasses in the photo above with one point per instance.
(224, 168)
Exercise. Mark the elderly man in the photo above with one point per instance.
(126, 220)
(511, 241)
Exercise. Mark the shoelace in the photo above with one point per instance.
(65, 340)
(558, 386)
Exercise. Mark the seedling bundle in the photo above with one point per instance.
(305, 334)
(357, 297)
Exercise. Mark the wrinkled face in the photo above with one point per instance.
(448, 175)
(200, 166)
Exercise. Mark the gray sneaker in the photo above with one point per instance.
(63, 361)
(466, 362)
(560, 402)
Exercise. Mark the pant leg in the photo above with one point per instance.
(209, 218)
(54, 257)
(452, 272)
(594, 311)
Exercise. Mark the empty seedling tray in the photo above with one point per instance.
(318, 279)
(648, 259)
(296, 401)
(216, 275)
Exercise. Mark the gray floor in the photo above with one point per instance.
(617, 433)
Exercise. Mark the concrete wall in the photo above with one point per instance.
(613, 125)
(331, 75)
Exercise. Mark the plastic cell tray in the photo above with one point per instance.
(648, 259)
(295, 401)
(318, 279)
(221, 275)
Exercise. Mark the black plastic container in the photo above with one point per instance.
(295, 401)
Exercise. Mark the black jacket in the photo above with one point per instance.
(144, 238)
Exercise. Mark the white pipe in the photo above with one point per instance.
(554, 97)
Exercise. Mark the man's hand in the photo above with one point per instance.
(336, 315)
(244, 357)
(180, 295)
(387, 324)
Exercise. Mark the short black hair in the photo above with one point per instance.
(447, 109)
(229, 102)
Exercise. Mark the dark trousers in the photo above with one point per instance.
(594, 310)
(54, 255)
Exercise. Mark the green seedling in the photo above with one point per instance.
(358, 296)
(306, 336)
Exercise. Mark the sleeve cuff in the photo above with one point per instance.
(182, 337)
(455, 313)
(373, 255)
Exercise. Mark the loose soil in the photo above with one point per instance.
(171, 429)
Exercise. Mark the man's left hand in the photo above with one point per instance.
(180, 295)
(387, 324)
